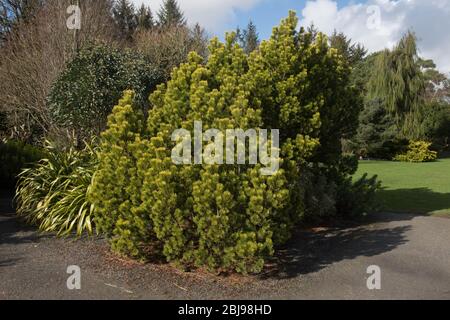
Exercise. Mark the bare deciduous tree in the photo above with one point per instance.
(35, 53)
(169, 47)
(13, 12)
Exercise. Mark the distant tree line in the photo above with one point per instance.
(401, 96)
(38, 54)
(130, 19)
(405, 98)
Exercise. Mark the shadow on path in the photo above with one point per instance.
(12, 230)
(310, 251)
(307, 252)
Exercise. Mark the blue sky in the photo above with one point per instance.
(376, 24)
(268, 14)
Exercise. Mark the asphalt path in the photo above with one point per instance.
(412, 253)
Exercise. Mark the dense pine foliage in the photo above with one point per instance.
(225, 217)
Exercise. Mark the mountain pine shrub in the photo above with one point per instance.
(225, 217)
(116, 185)
(219, 216)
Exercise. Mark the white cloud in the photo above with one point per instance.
(429, 19)
(211, 14)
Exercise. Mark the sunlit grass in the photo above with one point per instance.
(412, 187)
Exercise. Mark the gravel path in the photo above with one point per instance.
(412, 252)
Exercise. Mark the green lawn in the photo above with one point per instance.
(412, 187)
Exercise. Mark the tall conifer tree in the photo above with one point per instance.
(144, 18)
(125, 17)
(251, 38)
(248, 38)
(170, 14)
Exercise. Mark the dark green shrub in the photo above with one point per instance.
(436, 125)
(335, 195)
(85, 93)
(377, 135)
(53, 193)
(320, 196)
(15, 156)
(418, 151)
(391, 148)
(3, 123)
(348, 164)
(355, 198)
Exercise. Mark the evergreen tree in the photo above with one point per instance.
(398, 81)
(251, 38)
(377, 133)
(170, 15)
(312, 30)
(248, 38)
(355, 56)
(436, 124)
(239, 36)
(352, 52)
(362, 72)
(144, 18)
(125, 18)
